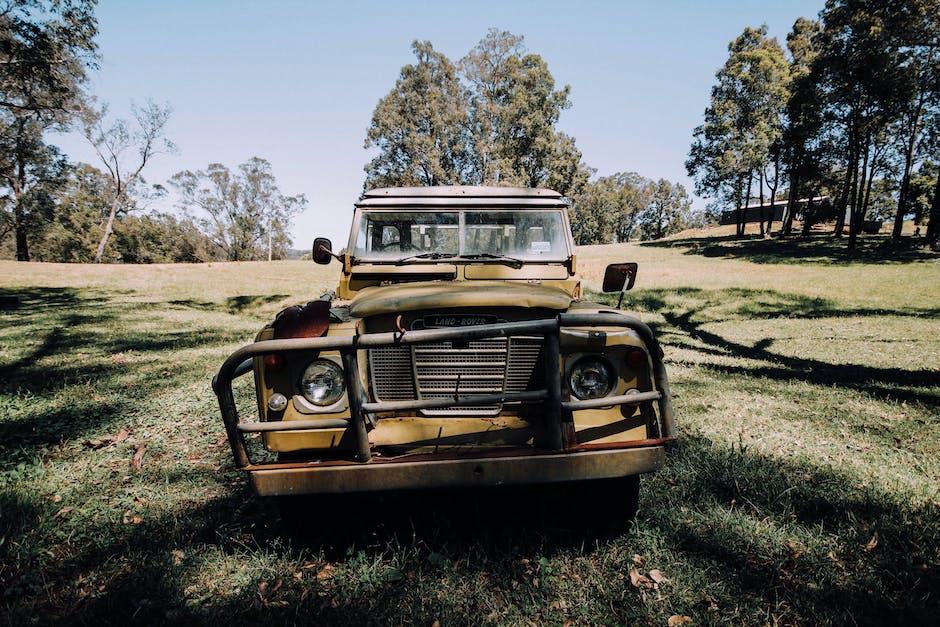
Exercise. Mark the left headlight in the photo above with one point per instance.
(591, 377)
(322, 382)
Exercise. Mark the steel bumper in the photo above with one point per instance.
(414, 472)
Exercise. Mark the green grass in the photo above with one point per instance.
(805, 490)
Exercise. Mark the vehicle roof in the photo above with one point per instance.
(461, 196)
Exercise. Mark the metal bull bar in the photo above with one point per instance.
(240, 363)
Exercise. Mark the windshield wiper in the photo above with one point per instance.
(512, 262)
(406, 260)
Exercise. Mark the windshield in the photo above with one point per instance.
(520, 234)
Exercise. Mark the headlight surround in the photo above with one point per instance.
(322, 383)
(591, 377)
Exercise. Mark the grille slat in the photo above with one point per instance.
(428, 371)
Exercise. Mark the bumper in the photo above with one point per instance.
(413, 472)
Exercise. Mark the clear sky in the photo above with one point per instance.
(296, 82)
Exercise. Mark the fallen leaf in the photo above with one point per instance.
(676, 619)
(657, 576)
(64, 511)
(57, 498)
(639, 560)
(138, 461)
(325, 573)
(872, 543)
(640, 581)
(178, 556)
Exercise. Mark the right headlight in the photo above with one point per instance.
(591, 377)
(322, 382)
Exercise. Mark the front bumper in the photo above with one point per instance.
(562, 460)
(413, 472)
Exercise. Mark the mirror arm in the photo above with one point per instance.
(335, 256)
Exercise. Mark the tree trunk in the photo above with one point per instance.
(851, 170)
(19, 226)
(902, 197)
(19, 216)
(933, 227)
(871, 179)
(858, 199)
(760, 195)
(108, 227)
(808, 216)
(790, 211)
(909, 149)
(742, 212)
(773, 192)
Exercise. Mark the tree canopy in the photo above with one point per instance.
(491, 120)
(849, 115)
(46, 47)
(244, 212)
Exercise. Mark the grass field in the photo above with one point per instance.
(805, 489)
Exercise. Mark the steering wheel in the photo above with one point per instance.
(401, 246)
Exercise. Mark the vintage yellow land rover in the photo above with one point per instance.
(456, 351)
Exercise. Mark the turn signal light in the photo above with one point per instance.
(273, 362)
(636, 359)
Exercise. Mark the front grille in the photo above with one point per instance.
(442, 369)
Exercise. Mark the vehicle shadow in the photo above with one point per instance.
(399, 549)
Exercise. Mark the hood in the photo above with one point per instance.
(373, 301)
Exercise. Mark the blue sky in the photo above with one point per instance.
(296, 82)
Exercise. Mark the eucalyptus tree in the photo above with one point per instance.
(46, 47)
(860, 73)
(124, 150)
(608, 209)
(801, 148)
(420, 127)
(514, 109)
(668, 209)
(244, 213)
(491, 121)
(743, 121)
(916, 27)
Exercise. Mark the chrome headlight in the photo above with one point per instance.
(322, 382)
(591, 377)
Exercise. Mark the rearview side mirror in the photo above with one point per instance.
(619, 277)
(322, 250)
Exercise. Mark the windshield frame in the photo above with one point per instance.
(462, 255)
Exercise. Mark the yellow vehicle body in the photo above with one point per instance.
(440, 363)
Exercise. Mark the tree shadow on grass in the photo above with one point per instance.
(233, 304)
(814, 249)
(686, 314)
(61, 338)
